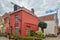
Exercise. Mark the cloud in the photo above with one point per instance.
(40, 6)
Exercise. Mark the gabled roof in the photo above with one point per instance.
(47, 17)
(6, 15)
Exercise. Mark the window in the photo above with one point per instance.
(5, 20)
(16, 18)
(27, 31)
(16, 30)
(10, 29)
(20, 31)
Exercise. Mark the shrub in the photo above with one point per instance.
(11, 36)
(3, 34)
(17, 37)
(24, 38)
(28, 38)
(39, 35)
(32, 32)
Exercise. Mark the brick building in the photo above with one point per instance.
(22, 21)
(52, 23)
(1, 24)
(6, 22)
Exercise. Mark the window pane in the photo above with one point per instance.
(16, 30)
(27, 31)
(10, 29)
(16, 19)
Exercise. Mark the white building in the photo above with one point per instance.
(52, 24)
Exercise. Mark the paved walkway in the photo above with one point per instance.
(53, 38)
(3, 38)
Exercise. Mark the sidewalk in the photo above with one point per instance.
(3, 38)
(53, 38)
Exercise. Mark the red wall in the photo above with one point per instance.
(27, 20)
(12, 20)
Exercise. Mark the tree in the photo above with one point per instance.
(42, 25)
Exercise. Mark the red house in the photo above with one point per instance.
(22, 21)
(6, 22)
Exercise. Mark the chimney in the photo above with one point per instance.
(16, 7)
(32, 10)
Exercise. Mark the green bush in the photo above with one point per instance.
(17, 37)
(11, 36)
(32, 32)
(24, 38)
(39, 35)
(27, 38)
(3, 34)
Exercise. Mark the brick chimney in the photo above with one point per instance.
(32, 10)
(16, 7)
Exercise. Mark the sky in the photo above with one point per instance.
(41, 7)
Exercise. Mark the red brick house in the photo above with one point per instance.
(6, 22)
(22, 21)
(1, 24)
(52, 23)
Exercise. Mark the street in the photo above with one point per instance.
(53, 38)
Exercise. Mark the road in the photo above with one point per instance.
(53, 38)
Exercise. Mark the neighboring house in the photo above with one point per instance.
(6, 22)
(1, 24)
(52, 24)
(22, 21)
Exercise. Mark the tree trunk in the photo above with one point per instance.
(42, 30)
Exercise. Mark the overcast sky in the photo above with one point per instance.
(41, 7)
